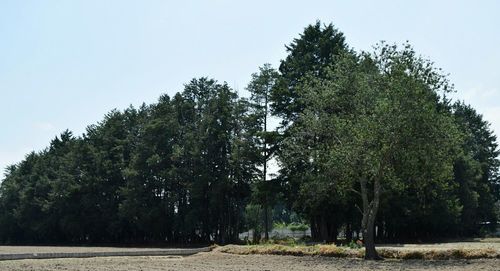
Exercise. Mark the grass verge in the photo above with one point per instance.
(342, 252)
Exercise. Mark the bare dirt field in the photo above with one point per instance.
(64, 249)
(221, 261)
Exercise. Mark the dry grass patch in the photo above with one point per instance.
(444, 254)
(342, 252)
(295, 250)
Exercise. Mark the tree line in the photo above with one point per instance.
(368, 142)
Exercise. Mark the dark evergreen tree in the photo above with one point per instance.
(476, 171)
(310, 54)
(264, 191)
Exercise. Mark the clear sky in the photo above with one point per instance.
(64, 64)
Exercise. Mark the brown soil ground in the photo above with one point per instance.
(221, 261)
(65, 249)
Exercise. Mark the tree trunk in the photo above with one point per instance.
(370, 210)
(334, 233)
(348, 233)
(255, 236)
(266, 204)
(266, 222)
(324, 230)
(369, 240)
(314, 229)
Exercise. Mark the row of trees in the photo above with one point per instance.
(175, 171)
(366, 141)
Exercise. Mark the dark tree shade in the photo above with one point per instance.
(309, 54)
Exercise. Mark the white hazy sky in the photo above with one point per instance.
(64, 64)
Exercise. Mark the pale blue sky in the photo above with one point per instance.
(64, 64)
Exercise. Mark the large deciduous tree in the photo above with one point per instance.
(376, 122)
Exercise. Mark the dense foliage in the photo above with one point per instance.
(367, 140)
(175, 171)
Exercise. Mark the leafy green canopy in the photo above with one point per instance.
(307, 55)
(177, 171)
(375, 117)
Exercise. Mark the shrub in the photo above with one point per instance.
(355, 245)
(279, 225)
(298, 226)
(286, 241)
